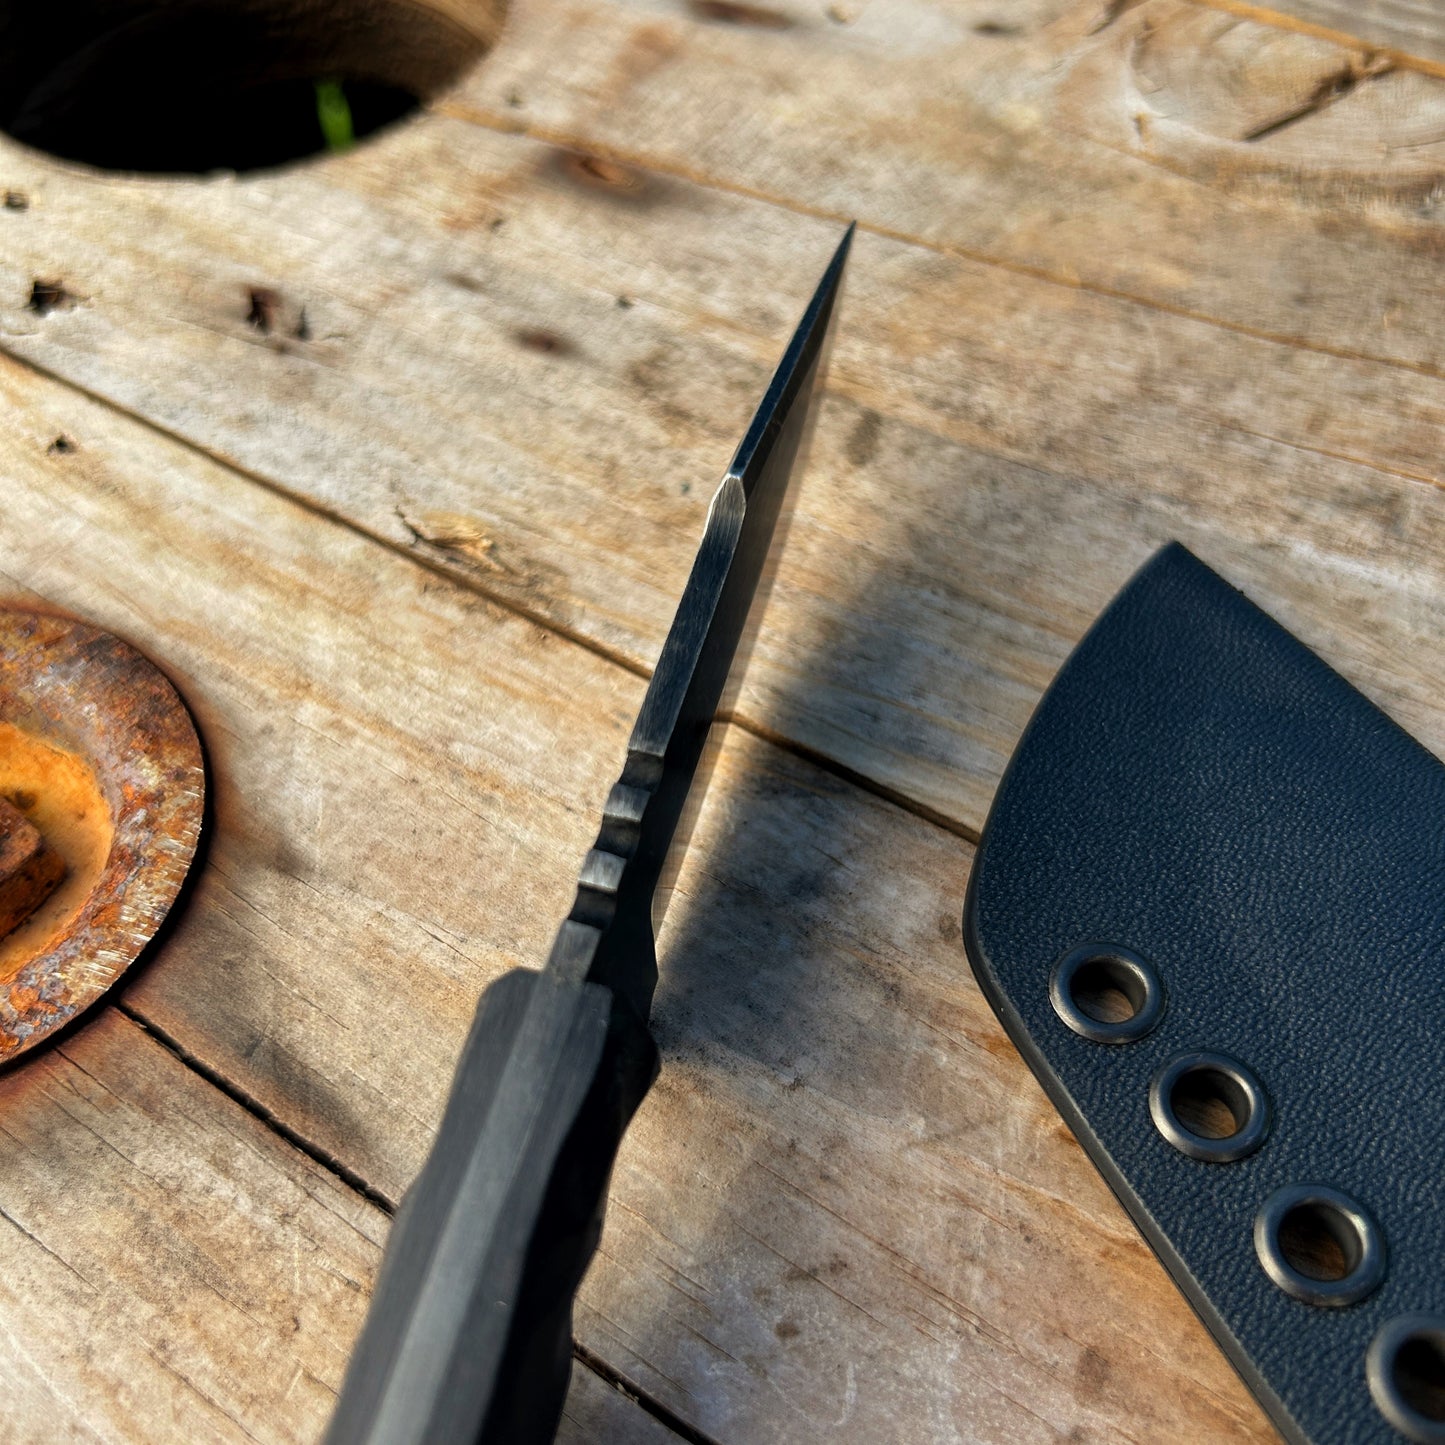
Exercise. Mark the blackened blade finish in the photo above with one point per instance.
(621, 873)
(469, 1337)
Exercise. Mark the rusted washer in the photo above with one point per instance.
(83, 716)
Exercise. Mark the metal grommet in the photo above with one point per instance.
(1320, 1210)
(1208, 1079)
(1405, 1367)
(1094, 969)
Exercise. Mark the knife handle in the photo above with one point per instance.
(469, 1335)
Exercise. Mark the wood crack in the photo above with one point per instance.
(1281, 20)
(507, 603)
(40, 1243)
(619, 1382)
(586, 1357)
(259, 1111)
(1332, 89)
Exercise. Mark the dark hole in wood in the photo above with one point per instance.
(1319, 1242)
(191, 86)
(1420, 1375)
(1209, 1103)
(48, 296)
(1107, 990)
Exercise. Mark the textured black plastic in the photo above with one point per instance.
(1199, 787)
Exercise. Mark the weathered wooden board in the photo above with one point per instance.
(860, 1215)
(233, 988)
(1102, 143)
(1411, 30)
(598, 1414)
(998, 451)
(404, 779)
(1132, 271)
(170, 1269)
(846, 1199)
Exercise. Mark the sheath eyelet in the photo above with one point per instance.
(1405, 1368)
(1209, 1107)
(1318, 1245)
(1105, 993)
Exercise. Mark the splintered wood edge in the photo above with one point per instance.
(96, 696)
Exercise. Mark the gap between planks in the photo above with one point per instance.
(268, 1119)
(471, 114)
(351, 1178)
(609, 1375)
(818, 759)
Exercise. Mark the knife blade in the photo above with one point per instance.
(469, 1334)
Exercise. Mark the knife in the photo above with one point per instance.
(469, 1334)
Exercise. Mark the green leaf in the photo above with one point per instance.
(333, 111)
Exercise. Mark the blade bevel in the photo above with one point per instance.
(620, 874)
(803, 350)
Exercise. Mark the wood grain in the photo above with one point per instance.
(171, 1269)
(1412, 31)
(596, 1413)
(1022, 134)
(378, 741)
(407, 530)
(859, 1214)
(845, 1201)
(996, 453)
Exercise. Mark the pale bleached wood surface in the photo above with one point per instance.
(845, 1200)
(404, 778)
(1088, 312)
(1412, 31)
(596, 1413)
(1005, 449)
(170, 1269)
(1032, 135)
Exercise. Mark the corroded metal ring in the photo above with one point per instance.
(85, 697)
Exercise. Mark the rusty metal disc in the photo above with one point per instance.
(100, 756)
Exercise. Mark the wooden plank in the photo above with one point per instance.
(379, 741)
(846, 1210)
(1410, 31)
(996, 454)
(170, 1269)
(845, 1200)
(1034, 135)
(596, 1413)
(859, 1213)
